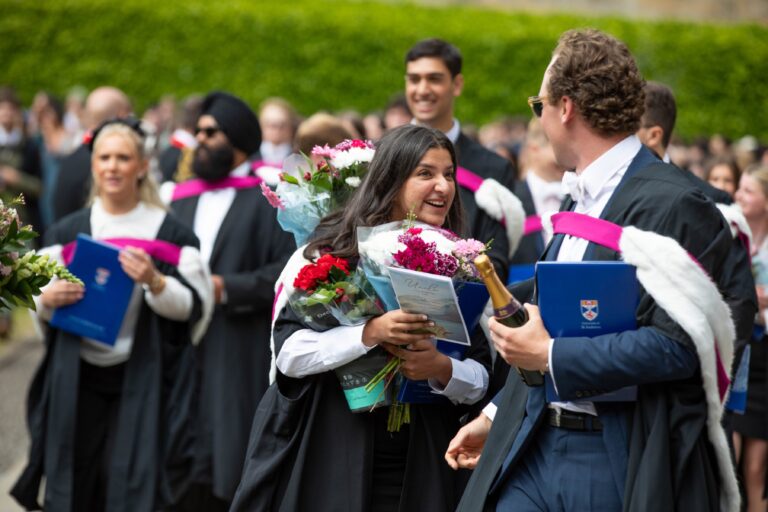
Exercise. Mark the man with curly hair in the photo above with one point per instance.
(660, 449)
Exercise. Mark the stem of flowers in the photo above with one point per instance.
(392, 365)
(399, 414)
(390, 377)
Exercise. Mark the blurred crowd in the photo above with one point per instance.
(35, 139)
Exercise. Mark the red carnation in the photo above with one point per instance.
(327, 261)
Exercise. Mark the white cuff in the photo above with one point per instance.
(469, 380)
(549, 364)
(174, 302)
(490, 410)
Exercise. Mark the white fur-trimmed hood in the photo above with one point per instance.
(501, 204)
(689, 296)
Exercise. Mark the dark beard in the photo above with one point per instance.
(213, 164)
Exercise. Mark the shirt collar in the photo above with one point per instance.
(12, 138)
(452, 134)
(242, 170)
(598, 173)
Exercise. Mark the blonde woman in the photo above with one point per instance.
(109, 425)
(751, 429)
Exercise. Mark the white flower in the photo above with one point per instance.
(430, 234)
(352, 156)
(376, 245)
(353, 181)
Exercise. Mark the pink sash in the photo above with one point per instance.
(532, 225)
(468, 179)
(257, 164)
(472, 182)
(195, 187)
(607, 234)
(158, 249)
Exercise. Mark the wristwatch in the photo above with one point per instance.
(157, 285)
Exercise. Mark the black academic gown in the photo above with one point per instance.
(234, 355)
(736, 282)
(671, 464)
(153, 446)
(528, 251)
(308, 452)
(477, 223)
(73, 183)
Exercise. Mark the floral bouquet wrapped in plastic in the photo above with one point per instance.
(327, 290)
(22, 272)
(423, 248)
(307, 192)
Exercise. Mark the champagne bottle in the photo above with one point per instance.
(506, 309)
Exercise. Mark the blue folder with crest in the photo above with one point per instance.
(99, 314)
(587, 299)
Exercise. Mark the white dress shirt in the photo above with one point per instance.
(12, 138)
(591, 189)
(275, 153)
(212, 207)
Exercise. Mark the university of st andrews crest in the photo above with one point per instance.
(589, 309)
(102, 276)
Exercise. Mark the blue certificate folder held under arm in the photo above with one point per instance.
(99, 314)
(587, 299)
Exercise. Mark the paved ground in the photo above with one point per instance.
(18, 360)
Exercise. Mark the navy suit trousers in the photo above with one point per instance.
(563, 470)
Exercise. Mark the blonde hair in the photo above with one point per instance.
(148, 190)
(535, 133)
(760, 173)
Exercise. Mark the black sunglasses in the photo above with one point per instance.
(209, 131)
(537, 104)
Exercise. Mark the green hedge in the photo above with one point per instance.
(334, 55)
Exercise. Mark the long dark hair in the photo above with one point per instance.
(398, 153)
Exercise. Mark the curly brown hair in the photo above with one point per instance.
(598, 73)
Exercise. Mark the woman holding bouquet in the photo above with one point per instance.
(109, 424)
(308, 451)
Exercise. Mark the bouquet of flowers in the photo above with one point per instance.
(329, 289)
(22, 272)
(422, 248)
(308, 192)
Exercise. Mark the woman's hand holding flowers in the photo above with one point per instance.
(421, 361)
(396, 327)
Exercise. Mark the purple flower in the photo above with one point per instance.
(468, 249)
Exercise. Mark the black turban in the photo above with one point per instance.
(236, 120)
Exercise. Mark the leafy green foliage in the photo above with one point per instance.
(22, 272)
(349, 54)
